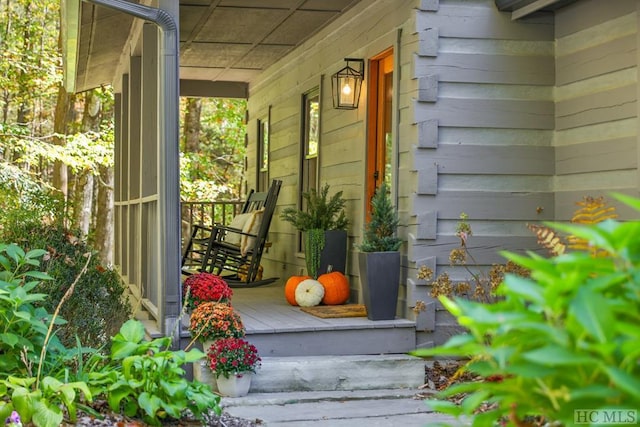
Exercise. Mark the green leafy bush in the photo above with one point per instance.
(565, 339)
(44, 382)
(23, 325)
(151, 383)
(30, 354)
(98, 306)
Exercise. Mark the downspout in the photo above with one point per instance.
(169, 164)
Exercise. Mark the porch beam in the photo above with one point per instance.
(211, 89)
(531, 8)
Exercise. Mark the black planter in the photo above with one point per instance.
(334, 253)
(380, 278)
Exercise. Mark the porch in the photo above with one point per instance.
(278, 329)
(294, 345)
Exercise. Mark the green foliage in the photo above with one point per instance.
(380, 233)
(25, 200)
(98, 306)
(23, 333)
(42, 405)
(29, 69)
(23, 325)
(562, 340)
(321, 212)
(140, 377)
(215, 170)
(313, 245)
(151, 383)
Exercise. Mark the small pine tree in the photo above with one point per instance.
(380, 233)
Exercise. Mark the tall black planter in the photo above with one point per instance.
(380, 278)
(334, 253)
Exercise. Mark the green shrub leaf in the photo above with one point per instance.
(149, 403)
(592, 311)
(553, 355)
(46, 415)
(624, 380)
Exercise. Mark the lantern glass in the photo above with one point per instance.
(346, 85)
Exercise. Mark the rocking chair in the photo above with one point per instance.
(234, 251)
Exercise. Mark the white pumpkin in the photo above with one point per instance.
(309, 293)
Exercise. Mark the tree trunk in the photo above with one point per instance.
(83, 199)
(104, 226)
(60, 176)
(192, 125)
(83, 196)
(103, 212)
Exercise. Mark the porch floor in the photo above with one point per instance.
(279, 329)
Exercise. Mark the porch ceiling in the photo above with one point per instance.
(220, 40)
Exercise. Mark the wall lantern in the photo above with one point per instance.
(346, 85)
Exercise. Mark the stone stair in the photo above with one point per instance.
(331, 373)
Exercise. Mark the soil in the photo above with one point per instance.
(211, 420)
(441, 375)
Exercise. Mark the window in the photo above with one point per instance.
(310, 140)
(263, 154)
(310, 147)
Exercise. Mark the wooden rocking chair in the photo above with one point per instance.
(234, 251)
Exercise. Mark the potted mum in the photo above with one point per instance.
(214, 320)
(205, 287)
(379, 258)
(233, 361)
(324, 224)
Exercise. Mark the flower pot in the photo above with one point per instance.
(185, 320)
(203, 374)
(380, 278)
(334, 254)
(236, 385)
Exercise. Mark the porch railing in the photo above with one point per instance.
(207, 214)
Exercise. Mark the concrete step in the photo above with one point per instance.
(330, 373)
(360, 408)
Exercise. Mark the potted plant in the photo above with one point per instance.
(233, 361)
(379, 259)
(205, 287)
(324, 224)
(214, 320)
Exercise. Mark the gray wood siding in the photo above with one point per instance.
(485, 116)
(511, 122)
(381, 24)
(596, 110)
(598, 156)
(487, 68)
(450, 159)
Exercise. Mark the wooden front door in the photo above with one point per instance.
(379, 144)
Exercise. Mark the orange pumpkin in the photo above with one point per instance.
(336, 288)
(290, 288)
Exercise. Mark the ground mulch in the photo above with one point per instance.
(109, 418)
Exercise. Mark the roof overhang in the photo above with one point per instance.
(224, 44)
(70, 20)
(523, 8)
